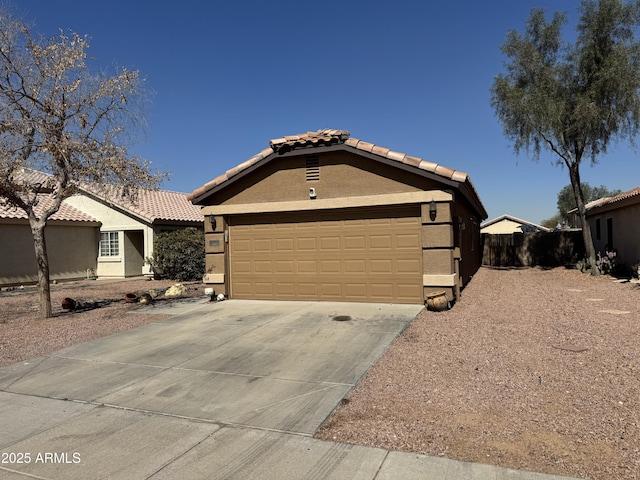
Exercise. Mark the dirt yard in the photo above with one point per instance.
(102, 311)
(534, 369)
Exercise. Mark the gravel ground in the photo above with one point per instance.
(24, 335)
(533, 369)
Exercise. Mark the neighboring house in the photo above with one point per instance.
(322, 216)
(615, 225)
(506, 224)
(127, 229)
(72, 244)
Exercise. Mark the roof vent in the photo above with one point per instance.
(313, 168)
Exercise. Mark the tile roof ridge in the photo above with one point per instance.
(422, 164)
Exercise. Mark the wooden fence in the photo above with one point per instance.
(532, 249)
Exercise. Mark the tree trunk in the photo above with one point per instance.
(40, 245)
(590, 252)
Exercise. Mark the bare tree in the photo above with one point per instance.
(58, 117)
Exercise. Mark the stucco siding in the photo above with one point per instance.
(625, 224)
(342, 174)
(503, 227)
(71, 250)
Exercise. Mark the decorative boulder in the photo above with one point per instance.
(176, 290)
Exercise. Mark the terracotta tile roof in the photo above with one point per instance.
(309, 139)
(328, 137)
(611, 201)
(66, 213)
(151, 205)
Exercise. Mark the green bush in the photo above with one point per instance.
(179, 255)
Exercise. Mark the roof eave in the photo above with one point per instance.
(451, 178)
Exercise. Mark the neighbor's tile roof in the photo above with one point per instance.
(607, 201)
(514, 219)
(331, 137)
(65, 213)
(150, 205)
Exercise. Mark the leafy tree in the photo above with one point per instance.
(58, 117)
(552, 222)
(567, 201)
(572, 99)
(180, 255)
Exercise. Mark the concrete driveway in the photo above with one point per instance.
(169, 386)
(217, 391)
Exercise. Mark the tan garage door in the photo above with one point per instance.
(373, 256)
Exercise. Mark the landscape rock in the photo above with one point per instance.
(176, 290)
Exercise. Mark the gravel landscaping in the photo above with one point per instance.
(533, 369)
(102, 311)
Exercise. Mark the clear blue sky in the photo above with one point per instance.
(412, 76)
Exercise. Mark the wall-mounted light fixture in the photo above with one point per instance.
(312, 193)
(213, 222)
(433, 210)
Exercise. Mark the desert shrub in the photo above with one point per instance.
(179, 255)
(606, 263)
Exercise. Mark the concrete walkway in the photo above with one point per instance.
(233, 390)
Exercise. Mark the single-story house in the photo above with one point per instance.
(615, 225)
(72, 244)
(127, 229)
(323, 216)
(506, 224)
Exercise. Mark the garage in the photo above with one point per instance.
(340, 256)
(323, 216)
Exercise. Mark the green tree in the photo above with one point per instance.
(573, 99)
(552, 222)
(58, 117)
(567, 201)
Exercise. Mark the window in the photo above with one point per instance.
(610, 233)
(109, 244)
(598, 234)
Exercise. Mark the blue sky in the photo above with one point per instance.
(412, 76)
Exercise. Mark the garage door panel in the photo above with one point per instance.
(408, 241)
(262, 266)
(361, 257)
(307, 267)
(381, 242)
(284, 266)
(409, 266)
(307, 243)
(355, 242)
(330, 244)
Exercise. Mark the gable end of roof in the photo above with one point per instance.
(330, 138)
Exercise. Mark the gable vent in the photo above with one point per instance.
(313, 168)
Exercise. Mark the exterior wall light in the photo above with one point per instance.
(213, 222)
(433, 210)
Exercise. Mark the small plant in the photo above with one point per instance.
(635, 270)
(606, 263)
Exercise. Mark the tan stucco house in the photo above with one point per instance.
(72, 244)
(615, 225)
(128, 229)
(507, 224)
(111, 236)
(323, 216)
